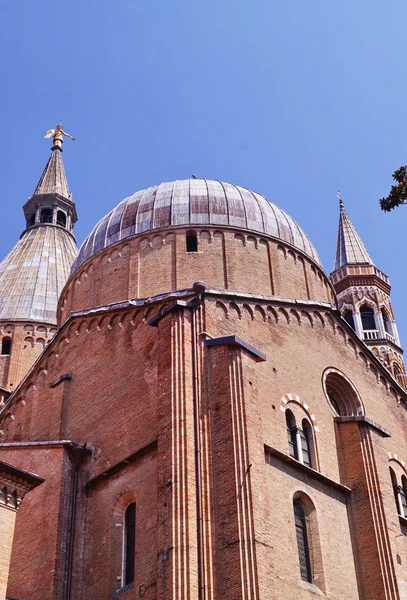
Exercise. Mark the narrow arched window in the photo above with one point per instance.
(403, 493)
(6, 346)
(192, 241)
(397, 493)
(291, 433)
(46, 215)
(129, 543)
(348, 316)
(306, 443)
(61, 218)
(368, 320)
(387, 322)
(302, 541)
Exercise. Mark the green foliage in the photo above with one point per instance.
(398, 193)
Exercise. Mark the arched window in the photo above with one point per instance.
(387, 322)
(403, 493)
(368, 320)
(6, 346)
(46, 215)
(129, 543)
(302, 541)
(342, 395)
(292, 433)
(348, 316)
(306, 443)
(192, 241)
(399, 494)
(61, 218)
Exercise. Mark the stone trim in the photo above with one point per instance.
(294, 398)
(392, 456)
(122, 463)
(14, 484)
(271, 451)
(363, 419)
(235, 340)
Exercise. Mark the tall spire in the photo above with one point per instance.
(53, 178)
(349, 247)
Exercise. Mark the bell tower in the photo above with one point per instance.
(363, 294)
(33, 274)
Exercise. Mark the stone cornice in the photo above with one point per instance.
(133, 313)
(14, 484)
(312, 473)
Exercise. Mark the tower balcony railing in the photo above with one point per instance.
(371, 334)
(390, 337)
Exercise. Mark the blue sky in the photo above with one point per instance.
(292, 99)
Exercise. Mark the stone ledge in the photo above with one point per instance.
(363, 419)
(234, 340)
(270, 450)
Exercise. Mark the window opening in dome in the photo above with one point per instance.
(32, 220)
(129, 543)
(348, 316)
(46, 215)
(6, 346)
(61, 218)
(192, 241)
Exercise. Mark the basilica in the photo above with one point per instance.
(192, 409)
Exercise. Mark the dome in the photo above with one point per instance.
(34, 273)
(195, 202)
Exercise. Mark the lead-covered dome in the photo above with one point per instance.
(199, 202)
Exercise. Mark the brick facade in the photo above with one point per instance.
(176, 400)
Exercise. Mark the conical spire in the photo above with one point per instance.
(349, 246)
(33, 274)
(53, 179)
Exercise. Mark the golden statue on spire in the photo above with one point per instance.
(57, 135)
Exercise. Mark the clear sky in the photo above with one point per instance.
(292, 99)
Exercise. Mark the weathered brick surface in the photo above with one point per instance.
(212, 513)
(151, 264)
(7, 522)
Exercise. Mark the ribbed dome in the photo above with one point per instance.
(33, 274)
(194, 202)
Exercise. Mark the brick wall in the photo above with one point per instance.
(7, 522)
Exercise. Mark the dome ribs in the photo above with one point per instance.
(198, 202)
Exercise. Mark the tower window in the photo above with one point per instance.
(348, 316)
(129, 544)
(61, 218)
(192, 241)
(368, 320)
(32, 220)
(387, 322)
(302, 541)
(46, 215)
(6, 346)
